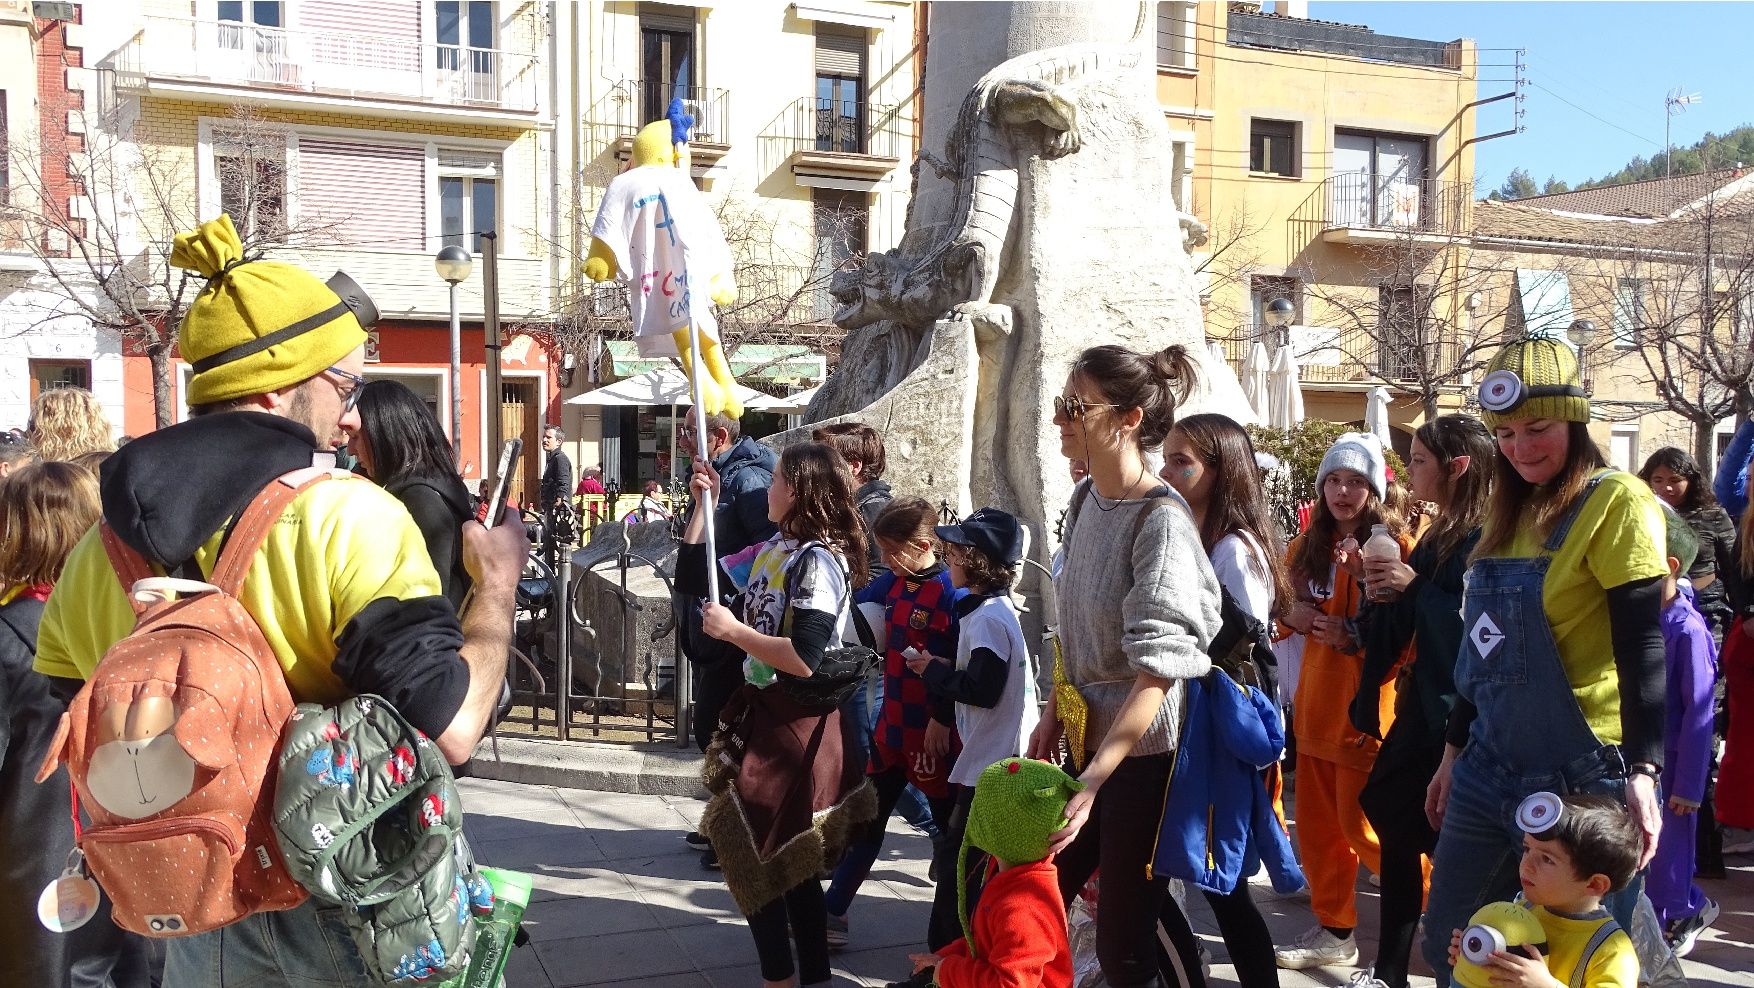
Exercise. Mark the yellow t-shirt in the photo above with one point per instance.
(1614, 964)
(1619, 537)
(339, 546)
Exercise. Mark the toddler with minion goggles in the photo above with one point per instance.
(1576, 849)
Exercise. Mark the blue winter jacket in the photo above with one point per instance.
(1730, 483)
(1218, 822)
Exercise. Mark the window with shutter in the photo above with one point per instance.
(840, 88)
(1175, 35)
(468, 196)
(366, 196)
(251, 171)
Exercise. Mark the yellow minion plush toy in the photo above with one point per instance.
(654, 231)
(259, 326)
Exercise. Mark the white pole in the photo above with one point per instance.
(702, 445)
(457, 381)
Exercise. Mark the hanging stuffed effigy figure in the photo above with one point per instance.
(654, 231)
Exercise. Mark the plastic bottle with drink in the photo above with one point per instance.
(1380, 546)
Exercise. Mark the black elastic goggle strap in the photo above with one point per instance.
(1554, 391)
(350, 298)
(275, 338)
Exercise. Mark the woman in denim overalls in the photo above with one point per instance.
(1560, 675)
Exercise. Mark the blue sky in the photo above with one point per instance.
(1613, 60)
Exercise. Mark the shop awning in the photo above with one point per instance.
(774, 363)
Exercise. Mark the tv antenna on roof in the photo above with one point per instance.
(1674, 103)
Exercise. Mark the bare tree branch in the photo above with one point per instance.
(98, 211)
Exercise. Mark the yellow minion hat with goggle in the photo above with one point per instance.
(1535, 377)
(260, 326)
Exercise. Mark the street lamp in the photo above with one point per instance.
(1581, 332)
(453, 264)
(1278, 315)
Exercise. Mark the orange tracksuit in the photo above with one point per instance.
(1333, 759)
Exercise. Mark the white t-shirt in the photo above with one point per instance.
(1001, 732)
(815, 581)
(1242, 569)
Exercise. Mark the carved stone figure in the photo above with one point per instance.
(1046, 225)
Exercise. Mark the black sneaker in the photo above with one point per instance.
(1683, 934)
(695, 838)
(709, 859)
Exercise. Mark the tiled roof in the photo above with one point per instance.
(1651, 199)
(1522, 221)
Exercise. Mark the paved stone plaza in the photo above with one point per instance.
(621, 900)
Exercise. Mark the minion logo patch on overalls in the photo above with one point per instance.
(1486, 635)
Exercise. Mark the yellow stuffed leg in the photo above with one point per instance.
(714, 396)
(719, 370)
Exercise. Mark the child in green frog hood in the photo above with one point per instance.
(1019, 927)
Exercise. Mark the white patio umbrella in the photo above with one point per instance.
(1255, 368)
(1284, 393)
(1376, 414)
(1215, 350)
(666, 386)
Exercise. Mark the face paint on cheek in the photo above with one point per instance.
(1188, 474)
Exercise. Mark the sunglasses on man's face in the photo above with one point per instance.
(1074, 407)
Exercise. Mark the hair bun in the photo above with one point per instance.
(1175, 367)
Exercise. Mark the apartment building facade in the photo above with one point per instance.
(360, 137)
(805, 126)
(47, 336)
(1333, 167)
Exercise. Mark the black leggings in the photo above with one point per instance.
(808, 926)
(1245, 934)
(1118, 838)
(1393, 800)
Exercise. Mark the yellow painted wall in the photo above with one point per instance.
(1322, 93)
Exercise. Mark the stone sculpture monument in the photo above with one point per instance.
(1042, 222)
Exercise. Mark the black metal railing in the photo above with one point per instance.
(842, 127)
(650, 98)
(1360, 200)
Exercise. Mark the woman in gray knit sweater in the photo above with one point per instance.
(1138, 606)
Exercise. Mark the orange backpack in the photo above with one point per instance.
(172, 744)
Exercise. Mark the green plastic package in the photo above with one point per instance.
(493, 935)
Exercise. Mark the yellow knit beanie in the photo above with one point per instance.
(1533, 378)
(259, 326)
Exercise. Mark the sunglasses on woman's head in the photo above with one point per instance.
(1074, 407)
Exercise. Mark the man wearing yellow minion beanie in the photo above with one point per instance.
(341, 587)
(1017, 935)
(1561, 672)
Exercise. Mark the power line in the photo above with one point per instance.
(1593, 116)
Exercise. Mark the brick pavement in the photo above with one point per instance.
(621, 900)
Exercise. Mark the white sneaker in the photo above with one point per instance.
(1316, 947)
(1367, 979)
(1738, 841)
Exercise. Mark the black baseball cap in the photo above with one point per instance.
(995, 533)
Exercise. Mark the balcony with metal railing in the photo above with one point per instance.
(839, 139)
(1361, 208)
(632, 103)
(1332, 355)
(229, 61)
